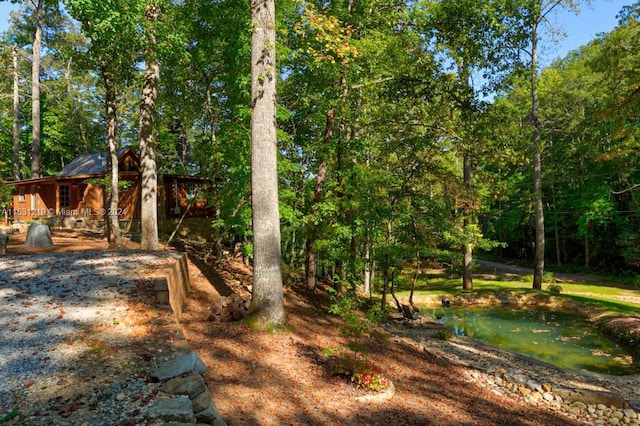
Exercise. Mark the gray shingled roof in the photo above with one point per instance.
(89, 164)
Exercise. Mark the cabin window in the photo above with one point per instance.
(65, 199)
(129, 165)
(21, 196)
(193, 190)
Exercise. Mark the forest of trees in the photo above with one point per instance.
(406, 130)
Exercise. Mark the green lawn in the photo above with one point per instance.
(617, 300)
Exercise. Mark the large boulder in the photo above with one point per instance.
(38, 235)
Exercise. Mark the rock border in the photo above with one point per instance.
(188, 399)
(384, 395)
(599, 407)
(624, 329)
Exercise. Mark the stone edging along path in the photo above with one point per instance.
(597, 399)
(190, 399)
(591, 399)
(81, 331)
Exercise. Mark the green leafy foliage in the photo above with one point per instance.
(6, 195)
(555, 288)
(380, 94)
(441, 335)
(357, 327)
(105, 182)
(547, 277)
(364, 375)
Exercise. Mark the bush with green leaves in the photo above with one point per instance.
(441, 335)
(367, 376)
(547, 277)
(555, 288)
(357, 327)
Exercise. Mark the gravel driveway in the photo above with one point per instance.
(76, 338)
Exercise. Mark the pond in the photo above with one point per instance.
(559, 338)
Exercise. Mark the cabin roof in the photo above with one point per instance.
(88, 164)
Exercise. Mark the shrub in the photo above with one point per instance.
(365, 375)
(555, 288)
(547, 277)
(368, 377)
(356, 328)
(442, 335)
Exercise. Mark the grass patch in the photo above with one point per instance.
(618, 300)
(441, 335)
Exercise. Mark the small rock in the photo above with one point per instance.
(534, 385)
(588, 396)
(629, 413)
(191, 385)
(189, 363)
(523, 390)
(555, 404)
(517, 378)
(177, 409)
(210, 415)
(575, 410)
(617, 414)
(202, 401)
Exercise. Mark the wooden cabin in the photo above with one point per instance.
(78, 192)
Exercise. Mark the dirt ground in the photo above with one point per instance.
(261, 379)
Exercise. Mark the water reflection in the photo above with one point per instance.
(563, 339)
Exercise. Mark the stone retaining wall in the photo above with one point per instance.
(171, 285)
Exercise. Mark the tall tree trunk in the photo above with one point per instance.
(149, 195)
(35, 91)
(311, 261)
(267, 305)
(467, 273)
(416, 275)
(587, 250)
(367, 266)
(538, 270)
(16, 115)
(556, 226)
(113, 234)
(387, 268)
(215, 198)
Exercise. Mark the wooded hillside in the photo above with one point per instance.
(405, 130)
